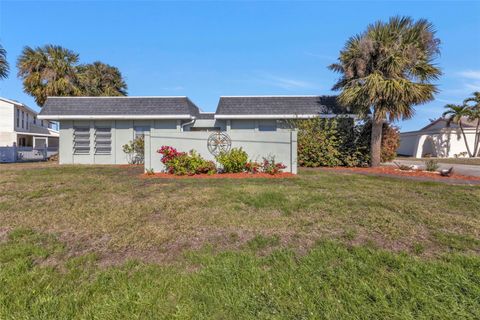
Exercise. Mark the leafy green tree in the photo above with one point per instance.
(387, 70)
(48, 71)
(4, 67)
(100, 79)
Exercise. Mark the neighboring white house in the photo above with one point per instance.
(438, 140)
(20, 126)
(94, 129)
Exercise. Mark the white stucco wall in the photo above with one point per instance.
(445, 142)
(281, 144)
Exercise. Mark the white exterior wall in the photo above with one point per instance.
(445, 143)
(123, 132)
(281, 145)
(6, 117)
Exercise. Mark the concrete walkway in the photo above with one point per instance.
(463, 169)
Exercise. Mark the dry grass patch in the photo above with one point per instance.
(112, 211)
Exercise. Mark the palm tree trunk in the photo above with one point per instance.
(376, 142)
(477, 139)
(465, 139)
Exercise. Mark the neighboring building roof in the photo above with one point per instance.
(118, 108)
(278, 107)
(465, 122)
(15, 102)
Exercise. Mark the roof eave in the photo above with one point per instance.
(281, 116)
(116, 117)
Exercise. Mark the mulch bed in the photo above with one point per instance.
(242, 175)
(403, 173)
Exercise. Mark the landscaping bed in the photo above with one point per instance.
(385, 170)
(238, 175)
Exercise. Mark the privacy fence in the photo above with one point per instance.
(281, 145)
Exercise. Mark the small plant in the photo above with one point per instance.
(149, 172)
(233, 161)
(271, 167)
(253, 167)
(431, 165)
(135, 150)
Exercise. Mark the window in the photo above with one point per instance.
(103, 140)
(267, 127)
(34, 119)
(140, 131)
(27, 121)
(42, 123)
(23, 119)
(81, 140)
(18, 117)
(207, 129)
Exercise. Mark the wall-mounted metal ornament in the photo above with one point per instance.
(218, 142)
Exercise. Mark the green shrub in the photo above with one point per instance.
(431, 165)
(182, 163)
(339, 142)
(233, 161)
(135, 150)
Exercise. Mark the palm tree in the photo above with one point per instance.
(48, 71)
(474, 104)
(387, 70)
(455, 113)
(100, 79)
(3, 63)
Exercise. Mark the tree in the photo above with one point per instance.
(387, 70)
(100, 79)
(470, 109)
(474, 104)
(4, 67)
(48, 71)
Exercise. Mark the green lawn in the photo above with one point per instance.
(100, 242)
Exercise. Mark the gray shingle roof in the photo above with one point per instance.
(118, 106)
(279, 105)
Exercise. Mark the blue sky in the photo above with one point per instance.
(207, 49)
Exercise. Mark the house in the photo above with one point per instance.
(94, 129)
(20, 126)
(438, 139)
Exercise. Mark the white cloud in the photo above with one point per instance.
(284, 82)
(470, 74)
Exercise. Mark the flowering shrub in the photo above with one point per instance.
(135, 150)
(271, 167)
(182, 163)
(253, 167)
(233, 161)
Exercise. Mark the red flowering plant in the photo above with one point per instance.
(271, 167)
(169, 154)
(253, 167)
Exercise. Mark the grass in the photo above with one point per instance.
(100, 242)
(331, 282)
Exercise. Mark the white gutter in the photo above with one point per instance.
(187, 123)
(280, 116)
(113, 117)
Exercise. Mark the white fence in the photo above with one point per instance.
(280, 144)
(20, 154)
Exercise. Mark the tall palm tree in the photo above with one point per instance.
(48, 71)
(387, 70)
(455, 114)
(4, 67)
(100, 79)
(474, 104)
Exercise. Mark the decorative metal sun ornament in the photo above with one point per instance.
(218, 142)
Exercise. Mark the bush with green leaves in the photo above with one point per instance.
(233, 161)
(431, 165)
(339, 142)
(135, 150)
(183, 163)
